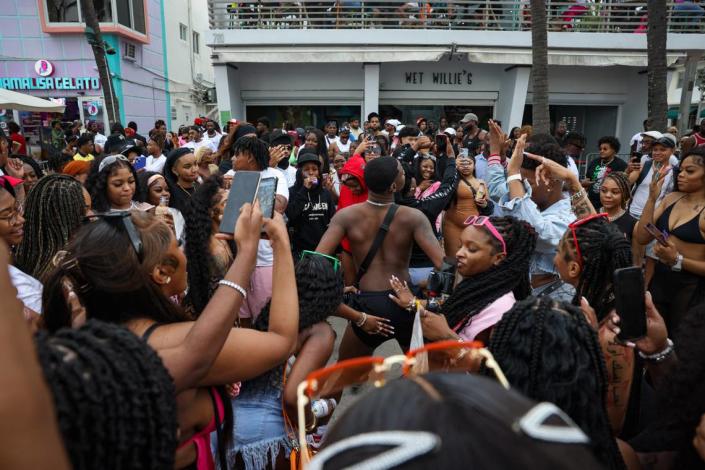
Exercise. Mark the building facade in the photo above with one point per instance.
(190, 70)
(310, 64)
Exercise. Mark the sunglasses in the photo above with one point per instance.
(126, 221)
(577, 224)
(110, 160)
(484, 221)
(443, 355)
(332, 259)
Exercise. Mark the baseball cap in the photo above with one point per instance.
(399, 128)
(667, 140)
(449, 131)
(469, 117)
(656, 135)
(279, 137)
(308, 156)
(393, 122)
(420, 120)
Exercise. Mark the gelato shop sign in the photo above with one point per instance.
(45, 81)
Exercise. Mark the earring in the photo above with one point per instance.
(167, 280)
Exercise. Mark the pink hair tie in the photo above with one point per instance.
(152, 179)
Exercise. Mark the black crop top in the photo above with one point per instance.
(688, 232)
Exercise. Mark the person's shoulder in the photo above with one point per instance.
(619, 164)
(671, 198)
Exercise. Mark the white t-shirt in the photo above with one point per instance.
(155, 164)
(29, 290)
(99, 139)
(203, 143)
(265, 254)
(641, 195)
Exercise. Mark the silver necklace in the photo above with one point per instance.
(380, 204)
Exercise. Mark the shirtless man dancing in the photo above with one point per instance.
(383, 319)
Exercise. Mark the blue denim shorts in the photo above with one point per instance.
(258, 431)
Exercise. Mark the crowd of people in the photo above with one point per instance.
(138, 334)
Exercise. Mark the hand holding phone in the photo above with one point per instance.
(659, 235)
(629, 302)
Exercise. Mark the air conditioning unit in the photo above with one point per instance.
(129, 52)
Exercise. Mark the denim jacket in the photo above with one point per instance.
(550, 224)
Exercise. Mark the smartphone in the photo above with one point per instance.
(140, 163)
(659, 235)
(266, 194)
(244, 190)
(441, 141)
(629, 302)
(464, 152)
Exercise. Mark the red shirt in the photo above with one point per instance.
(19, 138)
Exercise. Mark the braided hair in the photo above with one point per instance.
(114, 399)
(622, 181)
(604, 248)
(97, 182)
(199, 230)
(549, 352)
(510, 275)
(320, 290)
(54, 209)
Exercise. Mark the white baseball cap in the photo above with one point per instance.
(393, 122)
(449, 131)
(656, 135)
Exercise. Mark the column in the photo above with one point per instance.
(689, 75)
(371, 90)
(227, 87)
(513, 87)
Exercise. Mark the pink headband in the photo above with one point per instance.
(152, 179)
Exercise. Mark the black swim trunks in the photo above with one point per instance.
(379, 304)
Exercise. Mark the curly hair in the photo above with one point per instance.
(110, 281)
(114, 399)
(604, 248)
(54, 210)
(611, 141)
(549, 352)
(320, 290)
(417, 168)
(545, 146)
(510, 275)
(198, 231)
(622, 181)
(97, 182)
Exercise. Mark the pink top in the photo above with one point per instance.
(488, 316)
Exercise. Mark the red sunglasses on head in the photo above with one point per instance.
(577, 224)
(484, 221)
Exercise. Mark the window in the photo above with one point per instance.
(183, 32)
(129, 51)
(128, 13)
(195, 41)
(174, 115)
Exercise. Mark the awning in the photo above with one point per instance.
(13, 100)
(562, 57)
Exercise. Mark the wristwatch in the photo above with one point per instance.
(678, 264)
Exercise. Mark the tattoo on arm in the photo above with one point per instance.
(583, 207)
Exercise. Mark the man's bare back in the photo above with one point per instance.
(361, 222)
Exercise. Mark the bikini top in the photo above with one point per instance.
(202, 439)
(688, 232)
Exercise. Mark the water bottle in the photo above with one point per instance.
(324, 407)
(163, 208)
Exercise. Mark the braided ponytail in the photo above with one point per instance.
(114, 399)
(549, 352)
(510, 275)
(604, 248)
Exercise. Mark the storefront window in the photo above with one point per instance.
(303, 116)
(453, 113)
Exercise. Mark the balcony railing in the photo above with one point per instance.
(499, 15)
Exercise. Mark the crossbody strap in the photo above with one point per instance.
(376, 243)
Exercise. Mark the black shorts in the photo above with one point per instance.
(379, 304)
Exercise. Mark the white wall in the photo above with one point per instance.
(184, 65)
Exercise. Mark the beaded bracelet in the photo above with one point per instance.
(659, 356)
(362, 320)
(232, 285)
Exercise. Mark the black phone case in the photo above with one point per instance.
(243, 191)
(629, 302)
